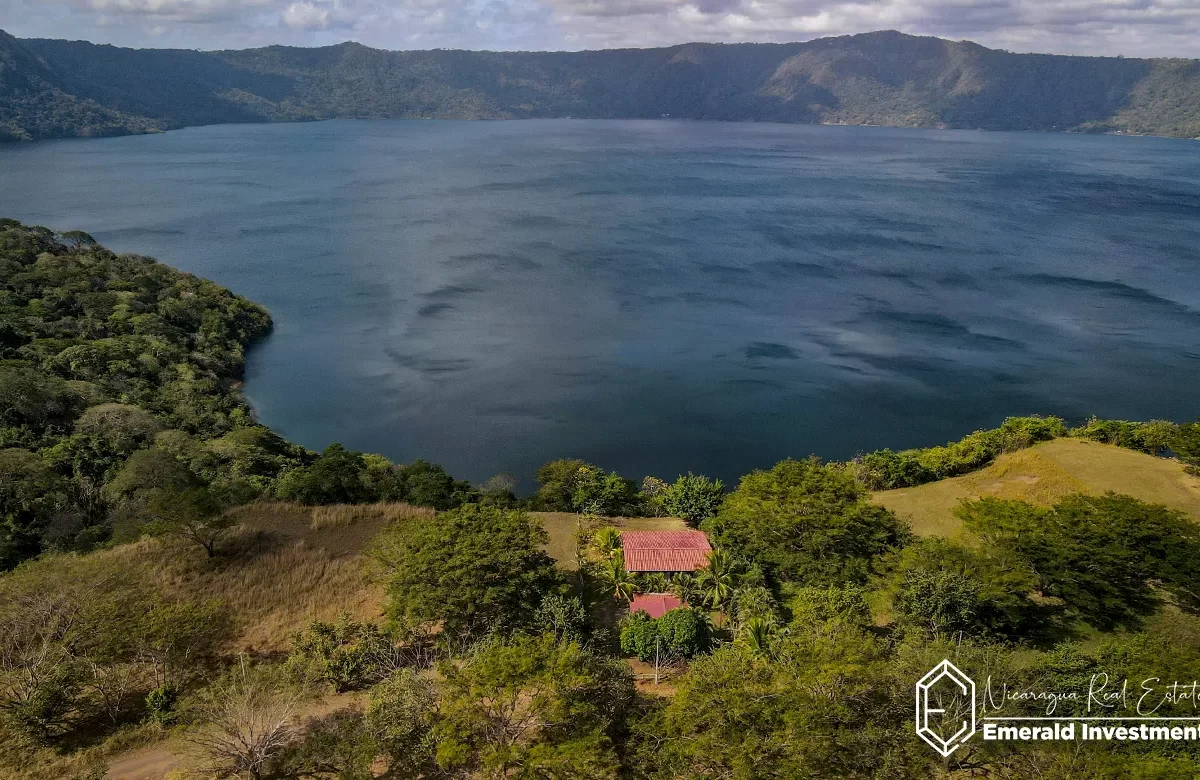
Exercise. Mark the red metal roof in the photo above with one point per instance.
(654, 604)
(665, 550)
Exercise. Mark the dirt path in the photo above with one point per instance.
(155, 761)
(150, 763)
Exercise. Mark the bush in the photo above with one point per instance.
(1153, 437)
(638, 636)
(337, 745)
(885, 469)
(399, 717)
(684, 632)
(575, 486)
(160, 704)
(681, 633)
(693, 498)
(347, 654)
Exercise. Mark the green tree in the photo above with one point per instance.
(719, 579)
(945, 588)
(684, 632)
(807, 522)
(838, 604)
(348, 654)
(694, 498)
(575, 486)
(563, 617)
(557, 481)
(427, 484)
(336, 477)
(532, 707)
(607, 542)
(193, 515)
(30, 495)
(400, 716)
(686, 588)
(816, 705)
(1098, 554)
(619, 582)
(639, 635)
(473, 569)
(597, 493)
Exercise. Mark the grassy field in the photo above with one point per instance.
(284, 566)
(1042, 475)
(562, 527)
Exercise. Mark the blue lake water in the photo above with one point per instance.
(660, 297)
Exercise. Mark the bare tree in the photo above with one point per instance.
(247, 718)
(114, 684)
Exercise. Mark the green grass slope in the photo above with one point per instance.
(1043, 474)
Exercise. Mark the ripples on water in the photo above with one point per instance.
(663, 296)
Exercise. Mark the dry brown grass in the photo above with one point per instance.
(341, 516)
(276, 572)
(1044, 474)
(562, 528)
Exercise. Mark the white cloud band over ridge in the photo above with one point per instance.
(1148, 28)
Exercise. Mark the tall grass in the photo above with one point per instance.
(342, 516)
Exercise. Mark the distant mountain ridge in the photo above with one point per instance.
(56, 89)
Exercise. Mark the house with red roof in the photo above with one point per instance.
(654, 604)
(665, 551)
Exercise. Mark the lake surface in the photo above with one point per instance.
(660, 297)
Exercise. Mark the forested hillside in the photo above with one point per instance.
(177, 578)
(52, 88)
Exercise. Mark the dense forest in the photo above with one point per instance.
(52, 88)
(127, 587)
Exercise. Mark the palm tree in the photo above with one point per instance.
(653, 582)
(717, 581)
(619, 581)
(756, 635)
(607, 542)
(685, 587)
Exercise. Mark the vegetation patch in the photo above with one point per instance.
(1043, 475)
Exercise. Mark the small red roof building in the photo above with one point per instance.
(654, 604)
(665, 551)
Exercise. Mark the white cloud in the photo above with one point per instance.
(1130, 27)
(305, 16)
(177, 10)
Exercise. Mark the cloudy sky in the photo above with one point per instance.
(1129, 27)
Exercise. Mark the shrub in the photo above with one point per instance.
(1152, 437)
(160, 704)
(399, 717)
(681, 633)
(638, 636)
(843, 603)
(348, 654)
(684, 632)
(694, 498)
(885, 469)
